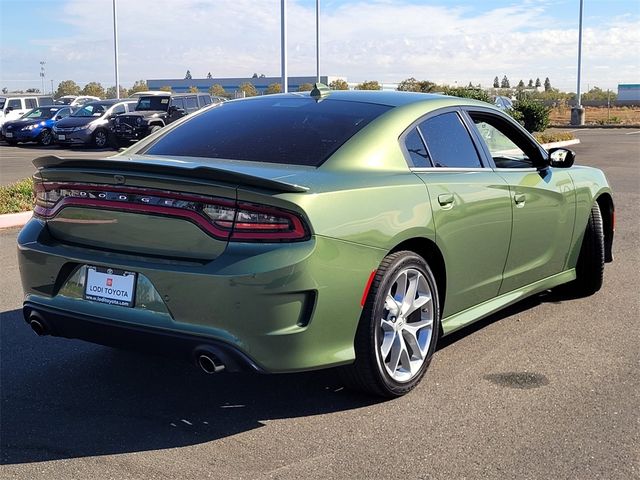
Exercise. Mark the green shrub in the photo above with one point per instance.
(465, 92)
(17, 197)
(535, 115)
(554, 136)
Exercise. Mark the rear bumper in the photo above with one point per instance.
(287, 307)
(82, 137)
(111, 333)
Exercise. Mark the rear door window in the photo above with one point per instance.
(178, 102)
(414, 146)
(45, 101)
(191, 104)
(449, 143)
(30, 103)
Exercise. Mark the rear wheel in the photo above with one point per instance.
(398, 329)
(46, 138)
(590, 266)
(154, 129)
(100, 139)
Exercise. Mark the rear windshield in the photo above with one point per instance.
(153, 103)
(298, 131)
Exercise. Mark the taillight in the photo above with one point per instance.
(220, 217)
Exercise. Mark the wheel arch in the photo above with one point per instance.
(428, 250)
(607, 210)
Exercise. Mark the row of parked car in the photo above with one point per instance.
(90, 121)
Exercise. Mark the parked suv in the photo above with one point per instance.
(76, 100)
(155, 111)
(13, 107)
(91, 124)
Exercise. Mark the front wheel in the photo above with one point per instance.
(46, 138)
(398, 329)
(590, 266)
(100, 139)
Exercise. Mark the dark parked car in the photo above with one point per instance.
(155, 111)
(91, 124)
(35, 125)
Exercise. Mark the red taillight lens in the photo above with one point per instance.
(222, 218)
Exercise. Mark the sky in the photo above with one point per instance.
(452, 42)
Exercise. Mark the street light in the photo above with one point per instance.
(577, 112)
(42, 74)
(283, 45)
(115, 48)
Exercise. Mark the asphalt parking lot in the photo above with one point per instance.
(15, 161)
(549, 388)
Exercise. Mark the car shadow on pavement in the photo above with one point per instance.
(65, 398)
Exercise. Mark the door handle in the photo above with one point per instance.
(519, 199)
(446, 199)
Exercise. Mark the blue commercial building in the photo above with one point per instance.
(629, 92)
(232, 85)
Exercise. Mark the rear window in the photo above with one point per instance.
(298, 131)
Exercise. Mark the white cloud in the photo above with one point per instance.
(383, 40)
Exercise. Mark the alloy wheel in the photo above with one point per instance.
(406, 326)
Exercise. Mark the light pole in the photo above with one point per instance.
(283, 45)
(577, 112)
(42, 74)
(318, 41)
(115, 48)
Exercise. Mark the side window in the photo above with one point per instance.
(191, 103)
(205, 99)
(449, 142)
(45, 101)
(117, 110)
(15, 104)
(414, 146)
(178, 102)
(30, 103)
(63, 113)
(508, 147)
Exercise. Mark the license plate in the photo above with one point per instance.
(9, 135)
(62, 137)
(110, 285)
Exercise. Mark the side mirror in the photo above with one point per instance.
(8, 109)
(561, 157)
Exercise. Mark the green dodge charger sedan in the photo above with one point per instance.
(293, 232)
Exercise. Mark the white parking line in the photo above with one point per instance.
(632, 133)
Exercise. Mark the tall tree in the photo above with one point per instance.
(409, 85)
(305, 87)
(339, 84)
(255, 75)
(209, 75)
(111, 92)
(93, 89)
(496, 82)
(369, 85)
(139, 86)
(187, 76)
(505, 82)
(520, 85)
(273, 88)
(547, 84)
(249, 89)
(218, 90)
(67, 87)
(530, 84)
(538, 83)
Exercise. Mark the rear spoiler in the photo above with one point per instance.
(199, 172)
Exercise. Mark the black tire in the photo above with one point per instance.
(368, 373)
(590, 266)
(100, 138)
(46, 138)
(154, 129)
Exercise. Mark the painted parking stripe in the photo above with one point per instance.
(632, 133)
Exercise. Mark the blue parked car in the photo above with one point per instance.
(35, 125)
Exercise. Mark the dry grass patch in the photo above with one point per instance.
(17, 197)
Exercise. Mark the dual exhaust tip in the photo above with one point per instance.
(208, 362)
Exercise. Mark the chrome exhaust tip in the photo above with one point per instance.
(209, 364)
(37, 326)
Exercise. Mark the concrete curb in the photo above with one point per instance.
(595, 125)
(564, 143)
(9, 220)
